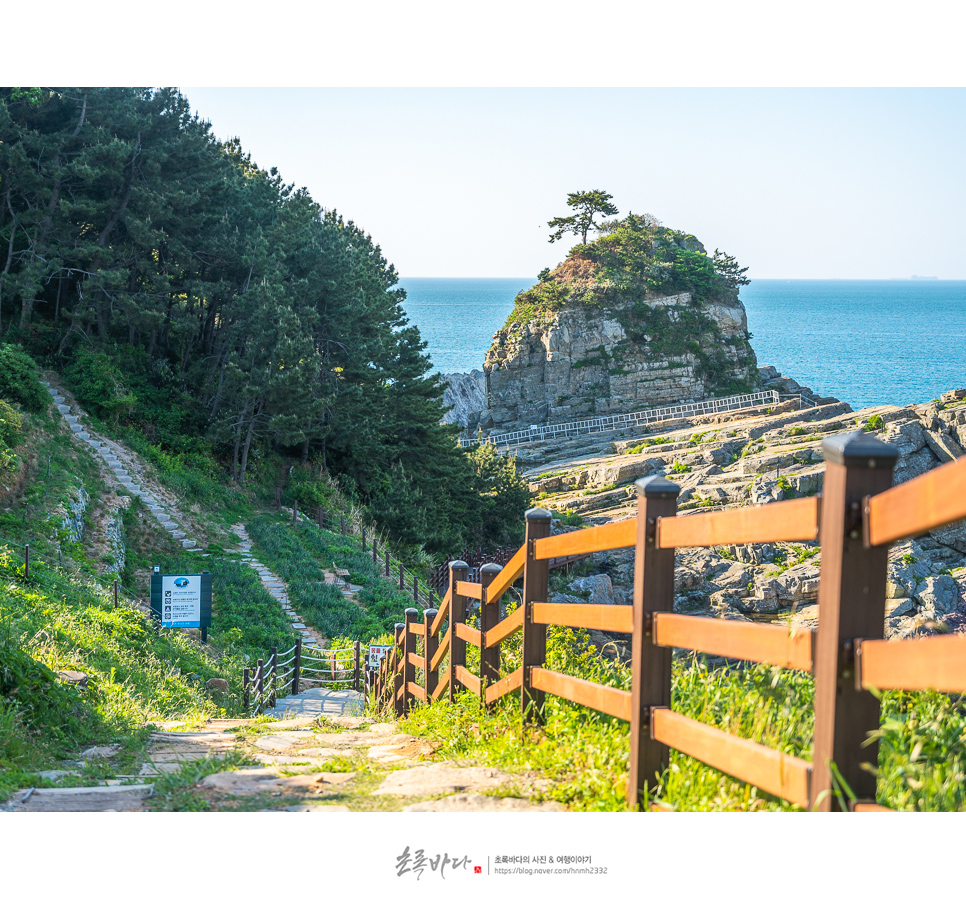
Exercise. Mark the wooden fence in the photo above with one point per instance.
(856, 519)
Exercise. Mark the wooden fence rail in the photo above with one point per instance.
(857, 517)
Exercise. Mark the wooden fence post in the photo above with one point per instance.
(115, 594)
(415, 590)
(402, 583)
(374, 551)
(851, 598)
(355, 674)
(536, 576)
(409, 668)
(387, 563)
(297, 665)
(246, 690)
(363, 539)
(489, 617)
(26, 562)
(457, 614)
(430, 646)
(295, 511)
(259, 683)
(650, 665)
(396, 674)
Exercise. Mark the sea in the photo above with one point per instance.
(868, 343)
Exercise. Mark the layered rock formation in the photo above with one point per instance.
(465, 396)
(603, 335)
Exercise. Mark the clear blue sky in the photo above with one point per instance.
(795, 183)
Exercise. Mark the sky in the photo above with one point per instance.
(460, 182)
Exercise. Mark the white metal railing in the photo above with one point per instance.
(632, 419)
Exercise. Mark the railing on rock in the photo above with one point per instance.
(270, 680)
(628, 420)
(856, 519)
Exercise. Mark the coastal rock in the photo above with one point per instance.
(465, 395)
(599, 588)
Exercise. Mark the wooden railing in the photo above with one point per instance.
(856, 519)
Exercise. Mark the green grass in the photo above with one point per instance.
(300, 555)
(921, 767)
(135, 675)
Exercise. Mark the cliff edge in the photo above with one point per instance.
(640, 317)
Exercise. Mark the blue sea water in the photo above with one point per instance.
(867, 342)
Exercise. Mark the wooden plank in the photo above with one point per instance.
(440, 652)
(790, 520)
(860, 807)
(457, 646)
(930, 500)
(418, 629)
(511, 572)
(932, 663)
(506, 627)
(489, 617)
(442, 686)
(469, 589)
(417, 691)
(467, 680)
(416, 660)
(468, 634)
(441, 614)
(400, 692)
(504, 686)
(590, 540)
(764, 642)
(533, 645)
(772, 771)
(604, 699)
(612, 617)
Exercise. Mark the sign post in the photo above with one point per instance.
(182, 601)
(376, 654)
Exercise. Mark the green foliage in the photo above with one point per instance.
(587, 205)
(874, 423)
(99, 384)
(19, 379)
(679, 467)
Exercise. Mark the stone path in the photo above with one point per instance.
(122, 466)
(318, 702)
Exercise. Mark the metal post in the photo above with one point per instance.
(536, 576)
(851, 596)
(387, 563)
(259, 683)
(274, 674)
(363, 539)
(650, 664)
(246, 690)
(375, 561)
(415, 590)
(355, 673)
(297, 665)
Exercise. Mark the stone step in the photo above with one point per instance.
(70, 419)
(187, 544)
(95, 444)
(63, 409)
(169, 525)
(58, 400)
(76, 428)
(178, 534)
(163, 517)
(84, 435)
(52, 390)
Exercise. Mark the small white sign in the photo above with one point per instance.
(181, 600)
(376, 654)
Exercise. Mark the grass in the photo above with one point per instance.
(300, 555)
(135, 675)
(584, 754)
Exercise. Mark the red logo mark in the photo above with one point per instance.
(478, 870)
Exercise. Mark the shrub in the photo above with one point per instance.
(874, 423)
(20, 380)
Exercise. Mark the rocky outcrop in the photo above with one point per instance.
(577, 362)
(465, 396)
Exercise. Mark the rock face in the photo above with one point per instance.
(579, 362)
(465, 395)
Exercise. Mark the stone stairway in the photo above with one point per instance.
(275, 586)
(127, 476)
